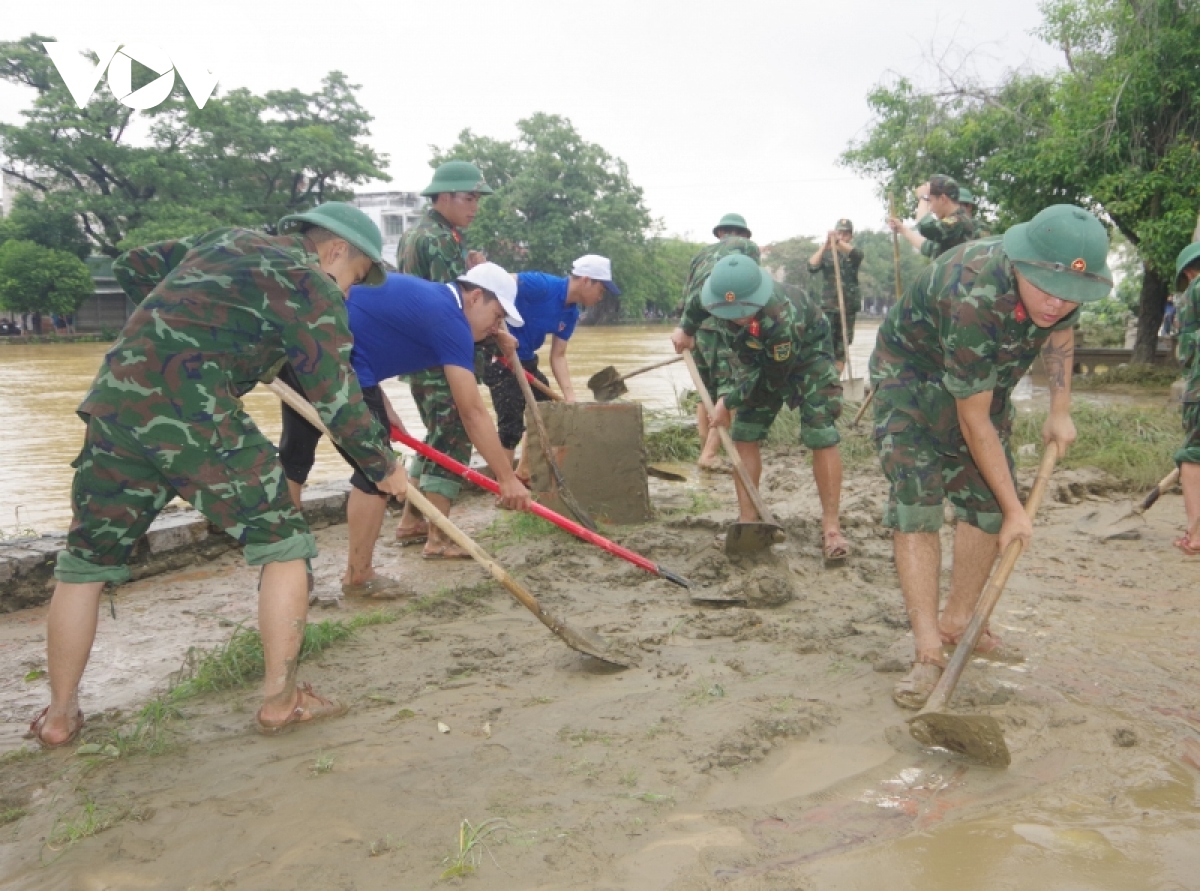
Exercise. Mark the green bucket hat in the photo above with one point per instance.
(965, 196)
(1064, 252)
(348, 222)
(732, 221)
(457, 176)
(737, 288)
(1186, 258)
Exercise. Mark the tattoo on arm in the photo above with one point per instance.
(1058, 358)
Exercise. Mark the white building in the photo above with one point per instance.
(393, 213)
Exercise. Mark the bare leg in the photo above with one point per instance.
(364, 516)
(282, 611)
(295, 490)
(751, 455)
(827, 473)
(710, 440)
(523, 462)
(410, 519)
(919, 563)
(70, 631)
(439, 543)
(1189, 477)
(974, 554)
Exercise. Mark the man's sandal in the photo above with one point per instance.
(447, 551)
(912, 691)
(412, 535)
(835, 549)
(39, 723)
(378, 587)
(990, 647)
(309, 707)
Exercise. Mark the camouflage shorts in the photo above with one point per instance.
(818, 396)
(445, 432)
(1189, 452)
(927, 462)
(122, 483)
(710, 355)
(835, 333)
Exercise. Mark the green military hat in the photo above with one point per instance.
(844, 225)
(457, 176)
(738, 287)
(965, 196)
(1186, 258)
(348, 222)
(1064, 252)
(732, 221)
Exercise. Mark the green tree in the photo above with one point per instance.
(36, 279)
(1117, 131)
(557, 197)
(241, 160)
(32, 220)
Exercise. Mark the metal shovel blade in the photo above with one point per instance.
(615, 390)
(606, 384)
(586, 642)
(750, 538)
(854, 389)
(977, 737)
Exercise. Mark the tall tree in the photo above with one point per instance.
(558, 196)
(1117, 130)
(36, 279)
(241, 160)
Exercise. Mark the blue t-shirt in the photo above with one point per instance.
(407, 324)
(542, 303)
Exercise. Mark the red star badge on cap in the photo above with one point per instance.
(1079, 264)
(730, 296)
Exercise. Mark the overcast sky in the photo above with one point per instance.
(715, 107)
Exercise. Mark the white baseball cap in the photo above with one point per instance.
(492, 277)
(598, 269)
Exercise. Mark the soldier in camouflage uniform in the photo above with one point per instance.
(164, 417)
(1187, 275)
(942, 223)
(435, 250)
(946, 361)
(771, 352)
(849, 259)
(733, 237)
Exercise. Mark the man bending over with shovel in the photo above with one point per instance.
(946, 360)
(774, 351)
(407, 325)
(164, 418)
(549, 306)
(1188, 457)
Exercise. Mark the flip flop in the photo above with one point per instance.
(35, 730)
(415, 535)
(990, 647)
(913, 690)
(835, 554)
(317, 709)
(440, 554)
(379, 587)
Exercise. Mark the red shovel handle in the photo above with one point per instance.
(537, 384)
(545, 513)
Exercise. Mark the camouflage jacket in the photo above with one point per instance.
(218, 312)
(432, 249)
(962, 329)
(694, 313)
(942, 235)
(848, 267)
(1188, 320)
(782, 341)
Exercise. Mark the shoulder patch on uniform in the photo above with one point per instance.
(782, 351)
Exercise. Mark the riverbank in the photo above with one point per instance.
(750, 748)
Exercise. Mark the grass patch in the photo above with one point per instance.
(1133, 443)
(583, 736)
(322, 764)
(1149, 376)
(515, 527)
(699, 502)
(11, 815)
(91, 819)
(669, 436)
(857, 447)
(443, 598)
(472, 843)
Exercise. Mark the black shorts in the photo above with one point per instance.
(298, 442)
(509, 401)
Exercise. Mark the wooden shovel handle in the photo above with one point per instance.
(727, 441)
(991, 594)
(1164, 485)
(837, 276)
(650, 367)
(529, 376)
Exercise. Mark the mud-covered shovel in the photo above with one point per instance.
(608, 384)
(1119, 527)
(586, 642)
(741, 538)
(978, 737)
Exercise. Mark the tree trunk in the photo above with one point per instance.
(1150, 315)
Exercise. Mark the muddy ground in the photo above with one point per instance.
(751, 748)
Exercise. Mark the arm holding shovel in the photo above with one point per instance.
(560, 369)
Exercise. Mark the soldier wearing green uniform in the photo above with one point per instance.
(164, 417)
(771, 352)
(946, 361)
(849, 259)
(1187, 275)
(942, 223)
(733, 237)
(435, 250)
